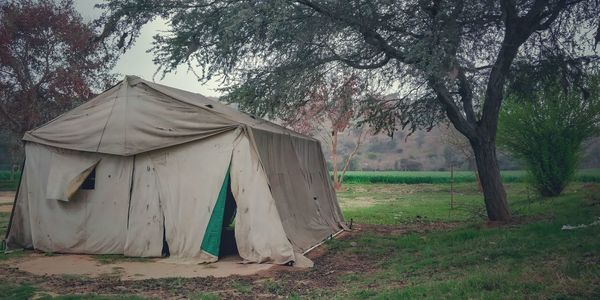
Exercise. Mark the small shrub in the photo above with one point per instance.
(546, 130)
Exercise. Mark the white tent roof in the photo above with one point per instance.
(137, 116)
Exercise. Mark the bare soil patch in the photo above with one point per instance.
(415, 227)
(515, 221)
(80, 274)
(86, 266)
(7, 197)
(6, 208)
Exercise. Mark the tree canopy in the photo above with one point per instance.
(48, 62)
(436, 50)
(331, 109)
(446, 59)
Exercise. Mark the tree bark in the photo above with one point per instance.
(336, 179)
(491, 181)
(479, 188)
(338, 185)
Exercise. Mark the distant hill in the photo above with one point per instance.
(427, 151)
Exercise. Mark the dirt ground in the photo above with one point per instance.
(6, 201)
(87, 266)
(80, 274)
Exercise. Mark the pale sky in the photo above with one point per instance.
(137, 62)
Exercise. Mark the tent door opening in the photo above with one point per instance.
(228, 245)
(219, 238)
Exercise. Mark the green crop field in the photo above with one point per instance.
(6, 182)
(400, 177)
(416, 177)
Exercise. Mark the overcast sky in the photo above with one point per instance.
(137, 62)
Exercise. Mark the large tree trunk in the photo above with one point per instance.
(491, 182)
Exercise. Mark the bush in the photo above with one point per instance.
(545, 130)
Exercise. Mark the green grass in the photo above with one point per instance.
(418, 177)
(204, 296)
(242, 287)
(533, 258)
(92, 297)
(9, 290)
(4, 217)
(400, 204)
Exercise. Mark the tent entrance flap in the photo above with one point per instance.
(215, 237)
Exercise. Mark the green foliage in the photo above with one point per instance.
(546, 131)
(354, 163)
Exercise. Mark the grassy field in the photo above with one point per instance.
(411, 244)
(532, 258)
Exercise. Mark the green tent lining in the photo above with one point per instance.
(212, 237)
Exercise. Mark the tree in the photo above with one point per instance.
(447, 59)
(330, 110)
(457, 143)
(48, 62)
(546, 127)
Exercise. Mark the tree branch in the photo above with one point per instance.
(516, 33)
(10, 119)
(371, 36)
(452, 111)
(356, 64)
(351, 155)
(466, 92)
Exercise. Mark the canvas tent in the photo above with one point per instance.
(144, 169)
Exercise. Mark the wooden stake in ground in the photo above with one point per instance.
(451, 186)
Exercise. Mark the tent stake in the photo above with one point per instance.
(323, 241)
